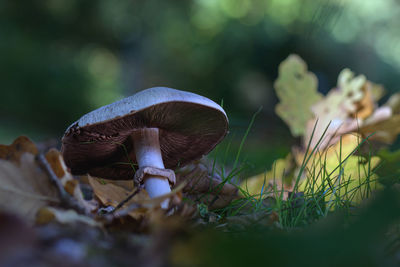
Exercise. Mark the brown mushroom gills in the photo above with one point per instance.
(148, 154)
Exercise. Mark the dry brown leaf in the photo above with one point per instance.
(203, 186)
(25, 188)
(394, 103)
(380, 114)
(48, 214)
(110, 194)
(343, 109)
(30, 178)
(141, 206)
(377, 91)
(385, 131)
(70, 184)
(20, 146)
(366, 105)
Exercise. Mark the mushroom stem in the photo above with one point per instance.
(148, 154)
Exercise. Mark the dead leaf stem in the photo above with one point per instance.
(66, 200)
(126, 199)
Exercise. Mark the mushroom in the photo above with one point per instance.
(145, 136)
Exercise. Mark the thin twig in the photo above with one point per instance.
(123, 202)
(66, 199)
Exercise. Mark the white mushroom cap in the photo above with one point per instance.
(190, 126)
(143, 100)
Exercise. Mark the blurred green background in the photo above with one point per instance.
(60, 59)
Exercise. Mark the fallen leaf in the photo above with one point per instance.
(338, 113)
(273, 182)
(347, 144)
(338, 173)
(352, 90)
(365, 107)
(25, 188)
(394, 103)
(70, 184)
(385, 131)
(296, 89)
(377, 91)
(202, 186)
(384, 124)
(20, 146)
(110, 194)
(48, 214)
(380, 114)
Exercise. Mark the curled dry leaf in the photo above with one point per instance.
(202, 185)
(394, 103)
(339, 112)
(25, 184)
(384, 124)
(25, 188)
(296, 89)
(385, 131)
(350, 107)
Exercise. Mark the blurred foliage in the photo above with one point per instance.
(362, 240)
(61, 59)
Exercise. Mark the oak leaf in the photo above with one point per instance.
(296, 89)
(25, 188)
(341, 111)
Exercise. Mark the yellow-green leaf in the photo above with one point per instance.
(296, 89)
(280, 176)
(351, 179)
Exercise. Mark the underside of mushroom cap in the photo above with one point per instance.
(190, 126)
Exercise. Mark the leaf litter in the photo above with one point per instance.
(38, 187)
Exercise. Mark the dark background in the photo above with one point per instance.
(62, 59)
